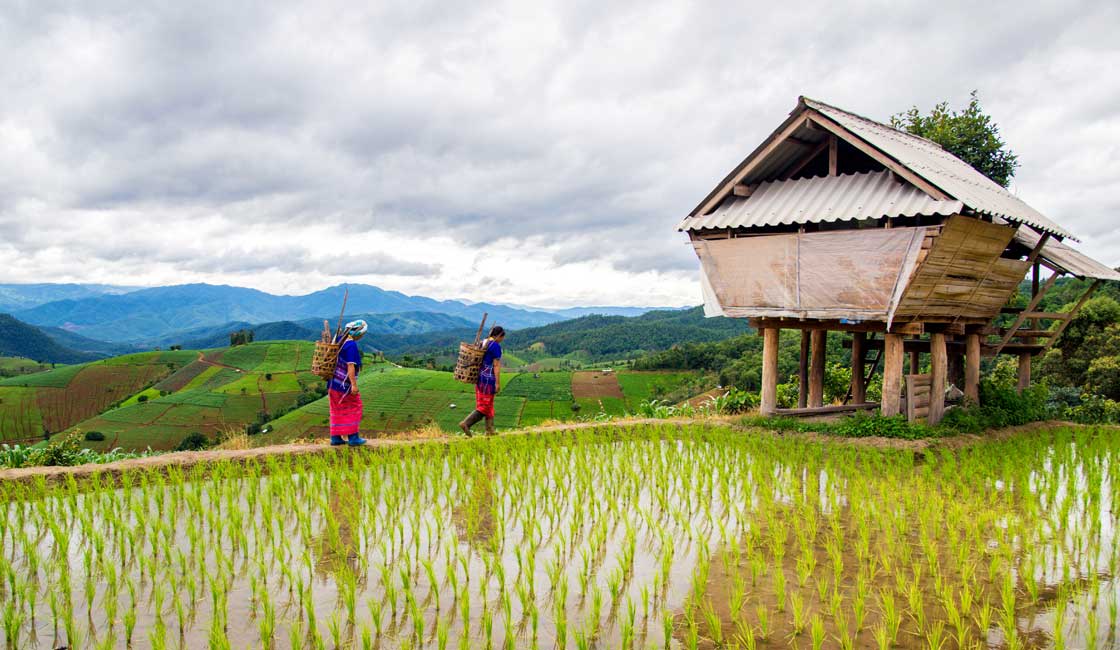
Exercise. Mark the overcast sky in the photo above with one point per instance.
(527, 152)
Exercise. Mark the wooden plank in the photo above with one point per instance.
(938, 373)
(892, 375)
(859, 350)
(769, 397)
(816, 368)
(831, 408)
(1025, 314)
(972, 368)
(1049, 315)
(882, 158)
(744, 190)
(833, 154)
(805, 160)
(760, 323)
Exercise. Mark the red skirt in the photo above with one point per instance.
(484, 403)
(346, 413)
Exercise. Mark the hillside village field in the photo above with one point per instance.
(157, 399)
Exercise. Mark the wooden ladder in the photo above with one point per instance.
(871, 364)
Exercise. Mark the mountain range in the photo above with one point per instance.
(147, 316)
(19, 339)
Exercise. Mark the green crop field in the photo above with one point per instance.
(630, 537)
(641, 386)
(550, 386)
(13, 366)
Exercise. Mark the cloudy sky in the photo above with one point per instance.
(527, 152)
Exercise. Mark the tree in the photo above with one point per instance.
(969, 134)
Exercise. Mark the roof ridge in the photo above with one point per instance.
(808, 101)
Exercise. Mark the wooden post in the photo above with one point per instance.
(803, 372)
(955, 375)
(1024, 371)
(769, 371)
(972, 368)
(938, 363)
(859, 389)
(833, 155)
(816, 368)
(892, 375)
(915, 361)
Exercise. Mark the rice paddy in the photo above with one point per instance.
(607, 537)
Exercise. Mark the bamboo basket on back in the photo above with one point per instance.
(470, 358)
(325, 359)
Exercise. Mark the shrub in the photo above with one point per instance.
(193, 442)
(1095, 409)
(94, 436)
(268, 376)
(142, 398)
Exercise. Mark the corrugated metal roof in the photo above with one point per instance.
(1066, 258)
(941, 168)
(822, 199)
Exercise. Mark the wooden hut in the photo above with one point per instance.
(840, 223)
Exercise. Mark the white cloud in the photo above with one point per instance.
(537, 153)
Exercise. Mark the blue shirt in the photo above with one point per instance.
(349, 353)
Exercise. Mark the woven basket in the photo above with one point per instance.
(470, 362)
(325, 359)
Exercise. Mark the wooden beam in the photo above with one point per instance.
(816, 368)
(831, 408)
(803, 372)
(760, 323)
(833, 153)
(972, 368)
(892, 375)
(1024, 371)
(859, 351)
(747, 168)
(938, 372)
(805, 160)
(915, 358)
(744, 190)
(1072, 313)
(1048, 315)
(769, 397)
(1026, 313)
(882, 158)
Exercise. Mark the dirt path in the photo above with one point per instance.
(186, 459)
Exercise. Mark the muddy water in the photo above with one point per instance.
(652, 541)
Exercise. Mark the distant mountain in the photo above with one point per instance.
(309, 329)
(577, 312)
(599, 336)
(68, 339)
(149, 314)
(18, 339)
(15, 297)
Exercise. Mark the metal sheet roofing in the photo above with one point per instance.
(941, 168)
(822, 199)
(1066, 258)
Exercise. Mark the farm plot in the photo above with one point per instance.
(595, 384)
(14, 366)
(247, 357)
(620, 537)
(638, 387)
(550, 386)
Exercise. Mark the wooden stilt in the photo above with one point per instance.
(816, 368)
(972, 369)
(915, 361)
(955, 374)
(1024, 371)
(859, 389)
(938, 371)
(769, 401)
(803, 372)
(892, 375)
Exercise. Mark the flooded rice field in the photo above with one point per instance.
(636, 537)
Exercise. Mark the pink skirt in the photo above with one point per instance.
(346, 413)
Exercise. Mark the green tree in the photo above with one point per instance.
(969, 134)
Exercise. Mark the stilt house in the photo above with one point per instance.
(837, 222)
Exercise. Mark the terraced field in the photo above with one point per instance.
(219, 391)
(52, 401)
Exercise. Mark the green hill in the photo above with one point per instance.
(18, 339)
(220, 391)
(52, 401)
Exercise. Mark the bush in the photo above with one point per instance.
(94, 436)
(193, 442)
(142, 398)
(1095, 409)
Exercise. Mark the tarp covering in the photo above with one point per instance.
(854, 275)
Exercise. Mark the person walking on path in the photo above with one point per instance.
(345, 400)
(489, 383)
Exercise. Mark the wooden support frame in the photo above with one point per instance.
(769, 394)
(760, 323)
(805, 160)
(1073, 312)
(878, 156)
(1024, 373)
(938, 373)
(819, 339)
(892, 375)
(833, 154)
(972, 368)
(859, 351)
(1026, 313)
